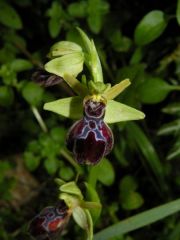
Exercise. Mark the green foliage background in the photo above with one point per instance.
(135, 39)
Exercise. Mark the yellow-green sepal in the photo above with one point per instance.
(63, 48)
(91, 57)
(83, 218)
(71, 188)
(118, 112)
(71, 64)
(70, 107)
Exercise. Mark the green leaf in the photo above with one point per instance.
(154, 90)
(19, 65)
(137, 56)
(66, 173)
(131, 200)
(114, 91)
(6, 96)
(78, 9)
(99, 172)
(96, 10)
(128, 183)
(63, 48)
(71, 107)
(9, 17)
(119, 43)
(33, 93)
(139, 220)
(51, 165)
(32, 162)
(118, 112)
(56, 14)
(71, 64)
(71, 188)
(54, 26)
(95, 23)
(178, 11)
(150, 27)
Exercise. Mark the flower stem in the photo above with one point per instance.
(39, 118)
(68, 157)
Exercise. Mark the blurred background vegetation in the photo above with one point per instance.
(135, 39)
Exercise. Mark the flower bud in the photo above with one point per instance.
(50, 222)
(90, 138)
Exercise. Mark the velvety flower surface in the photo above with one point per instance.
(50, 222)
(90, 138)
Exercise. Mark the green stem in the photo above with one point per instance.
(91, 205)
(68, 157)
(39, 118)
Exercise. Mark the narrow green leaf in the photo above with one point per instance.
(147, 149)
(172, 108)
(150, 27)
(68, 64)
(71, 107)
(116, 89)
(169, 128)
(178, 11)
(139, 220)
(175, 233)
(175, 150)
(9, 17)
(118, 112)
(63, 48)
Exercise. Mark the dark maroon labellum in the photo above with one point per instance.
(50, 222)
(90, 138)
